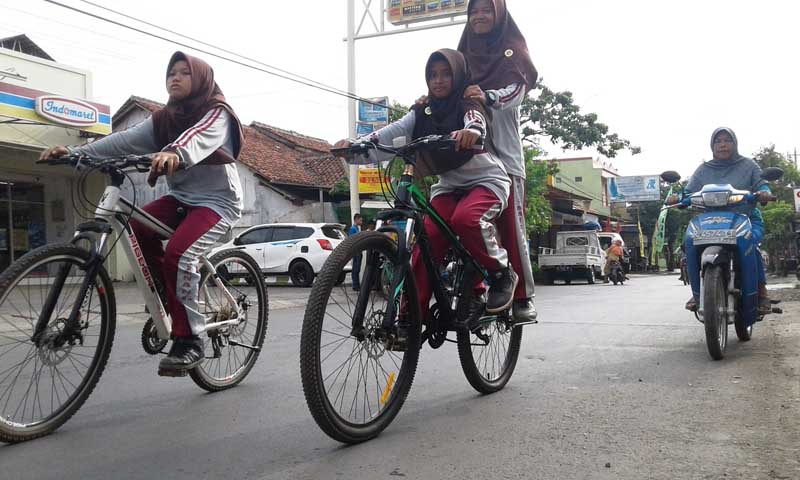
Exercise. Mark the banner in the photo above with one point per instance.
(634, 189)
(402, 12)
(374, 111)
(661, 227)
(641, 239)
(370, 181)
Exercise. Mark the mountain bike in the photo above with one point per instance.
(359, 350)
(58, 310)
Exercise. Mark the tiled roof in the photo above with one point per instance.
(284, 163)
(134, 101)
(315, 145)
(276, 155)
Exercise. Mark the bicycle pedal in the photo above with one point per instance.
(529, 322)
(172, 373)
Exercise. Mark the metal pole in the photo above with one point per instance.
(322, 204)
(355, 203)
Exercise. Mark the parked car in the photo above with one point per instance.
(296, 249)
(577, 256)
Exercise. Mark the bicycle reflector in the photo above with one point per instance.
(325, 244)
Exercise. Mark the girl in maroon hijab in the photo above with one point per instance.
(199, 131)
(502, 75)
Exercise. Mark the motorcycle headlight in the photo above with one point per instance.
(734, 199)
(698, 201)
(716, 199)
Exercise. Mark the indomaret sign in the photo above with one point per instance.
(45, 108)
(402, 12)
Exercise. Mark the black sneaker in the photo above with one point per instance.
(186, 354)
(525, 312)
(501, 290)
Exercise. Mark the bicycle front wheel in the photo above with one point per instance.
(231, 351)
(489, 355)
(43, 382)
(356, 383)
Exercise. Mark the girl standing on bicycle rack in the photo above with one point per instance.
(502, 75)
(197, 137)
(473, 185)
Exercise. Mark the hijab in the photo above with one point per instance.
(500, 57)
(177, 116)
(442, 116)
(740, 172)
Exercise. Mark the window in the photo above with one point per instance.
(261, 235)
(578, 179)
(577, 242)
(302, 232)
(281, 234)
(333, 232)
(605, 242)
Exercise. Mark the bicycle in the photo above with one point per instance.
(58, 311)
(359, 350)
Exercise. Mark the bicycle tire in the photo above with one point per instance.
(13, 432)
(202, 375)
(474, 369)
(322, 408)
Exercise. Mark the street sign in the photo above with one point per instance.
(797, 200)
(634, 189)
(402, 12)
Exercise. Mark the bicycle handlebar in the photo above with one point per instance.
(140, 162)
(430, 142)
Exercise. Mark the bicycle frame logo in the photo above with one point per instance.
(142, 262)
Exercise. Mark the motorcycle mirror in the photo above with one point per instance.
(771, 174)
(671, 176)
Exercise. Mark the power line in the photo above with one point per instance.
(302, 81)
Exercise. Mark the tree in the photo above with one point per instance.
(778, 233)
(538, 211)
(397, 112)
(768, 157)
(555, 115)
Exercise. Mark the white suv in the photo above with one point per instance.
(297, 249)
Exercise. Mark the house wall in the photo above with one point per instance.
(591, 183)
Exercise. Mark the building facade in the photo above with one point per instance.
(36, 201)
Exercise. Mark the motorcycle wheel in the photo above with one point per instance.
(715, 311)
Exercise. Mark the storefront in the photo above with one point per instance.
(41, 104)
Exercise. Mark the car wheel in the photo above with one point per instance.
(301, 273)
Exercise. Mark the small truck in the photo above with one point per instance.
(577, 256)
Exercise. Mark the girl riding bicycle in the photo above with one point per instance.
(502, 75)
(197, 137)
(473, 184)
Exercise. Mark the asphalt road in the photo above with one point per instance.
(615, 383)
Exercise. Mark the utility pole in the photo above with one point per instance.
(375, 12)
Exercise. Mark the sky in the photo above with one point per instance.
(662, 74)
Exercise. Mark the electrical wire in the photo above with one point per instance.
(299, 79)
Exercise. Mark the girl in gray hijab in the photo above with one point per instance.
(742, 173)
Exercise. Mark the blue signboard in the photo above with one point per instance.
(634, 189)
(374, 112)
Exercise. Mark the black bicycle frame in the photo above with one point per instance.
(407, 193)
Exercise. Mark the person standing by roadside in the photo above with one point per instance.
(502, 76)
(354, 229)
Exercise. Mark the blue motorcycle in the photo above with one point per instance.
(722, 260)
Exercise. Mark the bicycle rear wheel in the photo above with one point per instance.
(489, 355)
(43, 383)
(228, 358)
(355, 387)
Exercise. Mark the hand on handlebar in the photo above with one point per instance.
(53, 153)
(163, 163)
(465, 139)
(764, 197)
(673, 200)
